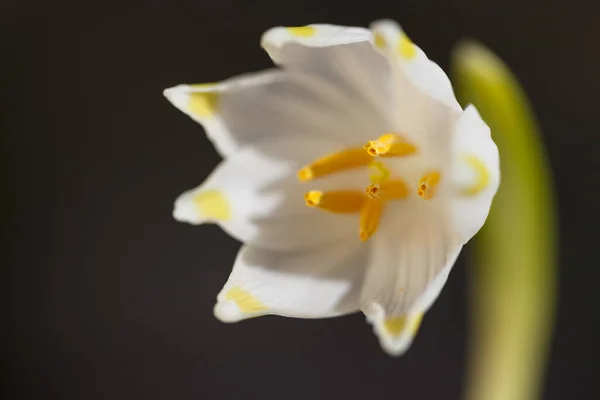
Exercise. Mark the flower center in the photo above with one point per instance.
(384, 186)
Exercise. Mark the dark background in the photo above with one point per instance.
(107, 297)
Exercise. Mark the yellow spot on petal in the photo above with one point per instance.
(406, 48)
(482, 175)
(302, 31)
(340, 201)
(369, 217)
(245, 301)
(428, 184)
(212, 205)
(336, 162)
(203, 86)
(379, 41)
(389, 145)
(397, 326)
(415, 323)
(203, 104)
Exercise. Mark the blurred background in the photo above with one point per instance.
(107, 297)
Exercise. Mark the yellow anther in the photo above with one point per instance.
(370, 215)
(340, 201)
(428, 184)
(389, 145)
(336, 162)
(388, 190)
(374, 191)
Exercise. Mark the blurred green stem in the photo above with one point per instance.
(514, 274)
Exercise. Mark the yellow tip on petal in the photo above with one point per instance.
(212, 205)
(302, 31)
(245, 301)
(397, 326)
(379, 41)
(482, 175)
(203, 104)
(406, 48)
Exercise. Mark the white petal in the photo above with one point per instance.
(377, 86)
(397, 340)
(344, 58)
(256, 197)
(408, 256)
(275, 40)
(476, 170)
(312, 283)
(403, 53)
(271, 104)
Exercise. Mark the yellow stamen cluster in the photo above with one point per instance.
(384, 187)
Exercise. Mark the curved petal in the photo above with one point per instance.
(255, 196)
(344, 58)
(313, 283)
(408, 258)
(253, 107)
(396, 333)
(476, 171)
(412, 97)
(275, 40)
(425, 74)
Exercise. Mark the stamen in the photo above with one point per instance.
(389, 145)
(388, 190)
(336, 162)
(369, 218)
(374, 191)
(428, 184)
(340, 201)
(379, 172)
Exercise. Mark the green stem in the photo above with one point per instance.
(514, 276)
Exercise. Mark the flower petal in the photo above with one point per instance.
(379, 86)
(396, 333)
(255, 196)
(276, 40)
(476, 171)
(313, 283)
(265, 105)
(408, 259)
(426, 75)
(342, 57)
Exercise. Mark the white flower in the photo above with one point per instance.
(351, 174)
